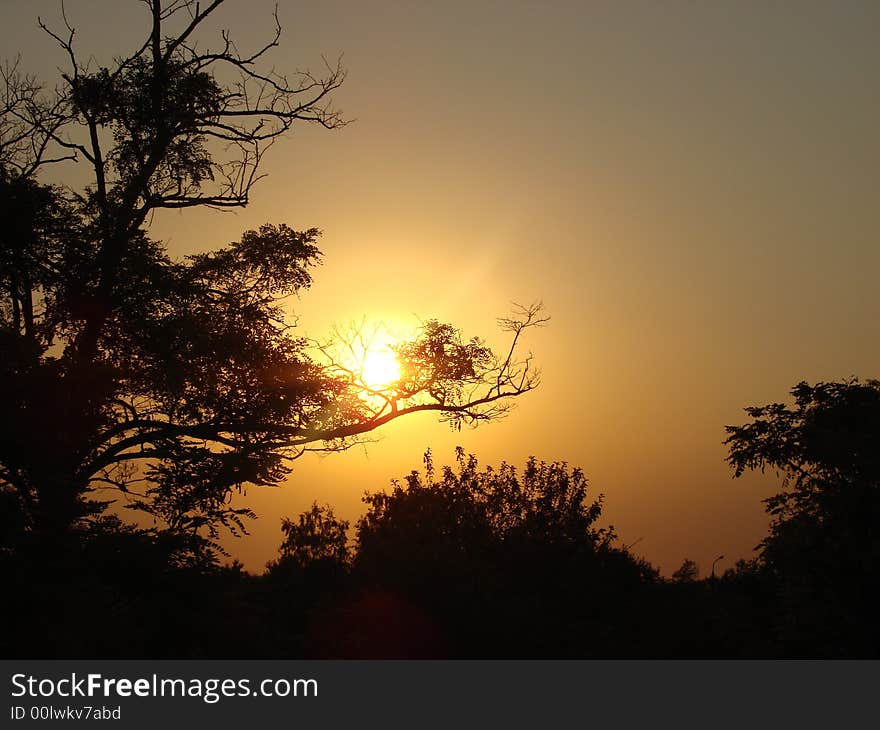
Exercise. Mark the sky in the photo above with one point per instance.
(690, 188)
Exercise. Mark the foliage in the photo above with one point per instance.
(826, 448)
(545, 504)
(316, 536)
(491, 554)
(823, 550)
(168, 385)
(687, 572)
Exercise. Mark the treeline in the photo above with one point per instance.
(490, 563)
(468, 562)
(129, 375)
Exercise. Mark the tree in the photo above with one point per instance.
(823, 550)
(687, 572)
(827, 450)
(510, 562)
(450, 517)
(317, 536)
(172, 383)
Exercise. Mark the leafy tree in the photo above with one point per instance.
(172, 383)
(823, 549)
(316, 536)
(545, 504)
(510, 562)
(827, 450)
(687, 572)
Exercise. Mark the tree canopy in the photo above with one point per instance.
(170, 383)
(826, 447)
(822, 549)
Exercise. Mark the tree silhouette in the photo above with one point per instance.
(823, 551)
(316, 536)
(508, 562)
(172, 383)
(450, 517)
(687, 572)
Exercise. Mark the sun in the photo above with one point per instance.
(380, 368)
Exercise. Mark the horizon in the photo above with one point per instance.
(688, 189)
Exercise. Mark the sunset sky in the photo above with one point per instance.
(690, 188)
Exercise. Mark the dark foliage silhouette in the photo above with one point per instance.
(467, 562)
(303, 584)
(316, 537)
(132, 379)
(687, 572)
(490, 555)
(823, 551)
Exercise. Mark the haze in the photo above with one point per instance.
(690, 189)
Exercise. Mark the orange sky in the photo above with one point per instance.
(690, 188)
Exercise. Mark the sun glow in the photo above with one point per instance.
(365, 355)
(380, 368)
